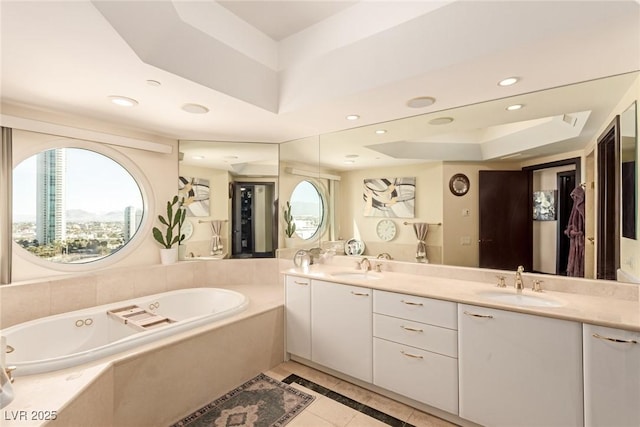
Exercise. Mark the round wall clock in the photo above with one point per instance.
(386, 229)
(459, 184)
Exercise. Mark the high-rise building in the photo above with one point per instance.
(131, 221)
(51, 222)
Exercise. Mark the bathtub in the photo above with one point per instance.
(70, 339)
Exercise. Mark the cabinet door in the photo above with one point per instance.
(518, 369)
(611, 377)
(341, 328)
(298, 315)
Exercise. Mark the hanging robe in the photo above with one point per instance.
(575, 232)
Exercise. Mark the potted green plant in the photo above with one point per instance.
(291, 226)
(175, 218)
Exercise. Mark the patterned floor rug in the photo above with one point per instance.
(260, 402)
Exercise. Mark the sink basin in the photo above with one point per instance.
(357, 275)
(523, 300)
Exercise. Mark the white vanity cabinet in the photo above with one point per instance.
(611, 377)
(341, 331)
(298, 315)
(415, 348)
(519, 369)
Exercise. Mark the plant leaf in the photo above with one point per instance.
(162, 220)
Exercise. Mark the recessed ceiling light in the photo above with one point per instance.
(352, 117)
(195, 108)
(381, 131)
(441, 121)
(351, 156)
(123, 101)
(514, 107)
(421, 102)
(508, 81)
(198, 157)
(349, 162)
(230, 157)
(154, 83)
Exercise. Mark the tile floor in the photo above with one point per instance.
(326, 412)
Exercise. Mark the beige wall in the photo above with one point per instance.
(220, 207)
(160, 171)
(428, 208)
(459, 229)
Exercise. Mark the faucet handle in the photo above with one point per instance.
(501, 282)
(536, 285)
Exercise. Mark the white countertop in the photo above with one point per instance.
(597, 310)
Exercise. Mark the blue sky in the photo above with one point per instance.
(94, 183)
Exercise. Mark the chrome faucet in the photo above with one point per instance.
(365, 264)
(518, 284)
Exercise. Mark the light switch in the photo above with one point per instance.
(465, 240)
(466, 212)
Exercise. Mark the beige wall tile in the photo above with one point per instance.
(179, 276)
(114, 286)
(92, 407)
(149, 281)
(73, 293)
(196, 370)
(20, 303)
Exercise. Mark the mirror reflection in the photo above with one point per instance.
(240, 217)
(552, 139)
(629, 156)
(64, 212)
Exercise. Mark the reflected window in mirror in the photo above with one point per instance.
(74, 206)
(629, 172)
(307, 209)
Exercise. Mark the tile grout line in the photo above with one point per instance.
(347, 401)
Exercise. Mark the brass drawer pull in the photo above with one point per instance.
(412, 303)
(615, 339)
(414, 356)
(359, 294)
(408, 328)
(485, 316)
(301, 283)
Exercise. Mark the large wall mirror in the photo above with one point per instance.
(629, 170)
(551, 139)
(65, 212)
(240, 217)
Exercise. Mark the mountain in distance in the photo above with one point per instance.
(79, 215)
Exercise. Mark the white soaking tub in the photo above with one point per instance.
(70, 339)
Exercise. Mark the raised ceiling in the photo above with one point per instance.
(277, 71)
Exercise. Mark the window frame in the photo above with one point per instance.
(148, 205)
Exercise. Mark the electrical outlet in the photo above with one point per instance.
(465, 240)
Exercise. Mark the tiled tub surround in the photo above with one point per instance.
(157, 383)
(77, 337)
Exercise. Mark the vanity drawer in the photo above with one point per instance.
(420, 375)
(418, 309)
(420, 335)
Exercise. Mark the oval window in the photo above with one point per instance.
(307, 209)
(74, 206)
